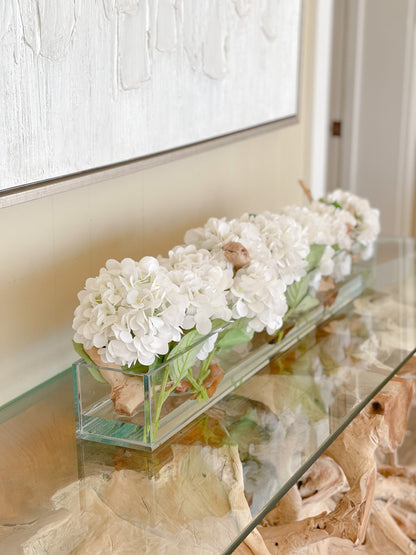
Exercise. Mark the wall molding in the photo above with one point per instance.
(39, 190)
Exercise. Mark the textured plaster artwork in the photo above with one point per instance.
(166, 73)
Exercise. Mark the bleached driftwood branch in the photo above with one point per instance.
(127, 392)
(381, 424)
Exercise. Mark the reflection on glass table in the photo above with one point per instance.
(209, 485)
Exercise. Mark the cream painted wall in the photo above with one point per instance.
(50, 246)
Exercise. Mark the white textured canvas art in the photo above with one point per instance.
(89, 83)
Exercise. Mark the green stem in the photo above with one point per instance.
(196, 384)
(204, 370)
(280, 336)
(161, 398)
(200, 389)
(163, 395)
(289, 313)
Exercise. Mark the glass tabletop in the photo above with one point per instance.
(206, 488)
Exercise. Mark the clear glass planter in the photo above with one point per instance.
(157, 411)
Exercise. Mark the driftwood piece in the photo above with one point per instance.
(245, 549)
(327, 291)
(255, 544)
(384, 534)
(312, 495)
(405, 519)
(407, 472)
(286, 511)
(127, 392)
(335, 546)
(323, 480)
(290, 538)
(397, 489)
(306, 190)
(347, 521)
(131, 512)
(382, 423)
(409, 369)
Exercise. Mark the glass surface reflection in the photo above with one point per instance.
(210, 484)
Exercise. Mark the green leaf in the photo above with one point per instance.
(232, 337)
(140, 368)
(92, 367)
(314, 256)
(179, 366)
(136, 367)
(296, 292)
(335, 203)
(79, 348)
(218, 323)
(307, 303)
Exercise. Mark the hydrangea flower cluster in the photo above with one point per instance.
(278, 248)
(367, 220)
(258, 294)
(346, 224)
(204, 279)
(286, 242)
(134, 312)
(130, 312)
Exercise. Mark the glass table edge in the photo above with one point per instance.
(322, 448)
(31, 396)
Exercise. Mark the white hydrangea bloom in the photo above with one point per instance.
(131, 312)
(268, 238)
(258, 294)
(204, 279)
(207, 347)
(340, 223)
(317, 228)
(323, 224)
(217, 232)
(326, 225)
(286, 241)
(367, 225)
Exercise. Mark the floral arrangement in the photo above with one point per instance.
(229, 279)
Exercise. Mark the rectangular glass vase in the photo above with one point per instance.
(148, 411)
